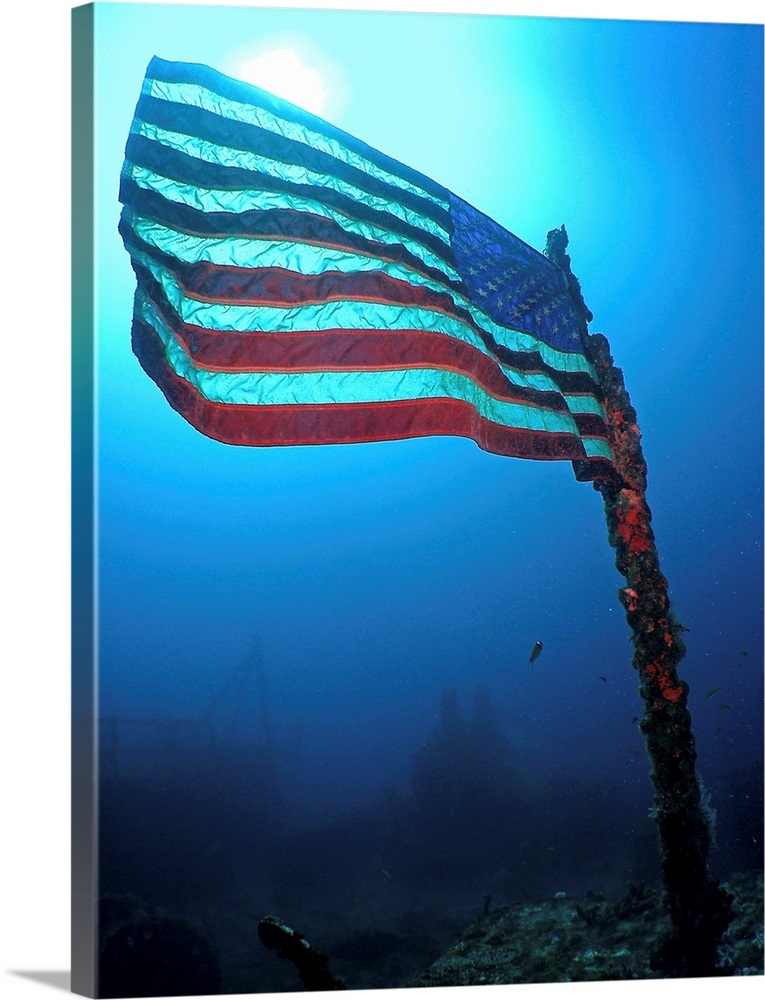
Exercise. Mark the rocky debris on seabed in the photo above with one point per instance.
(590, 938)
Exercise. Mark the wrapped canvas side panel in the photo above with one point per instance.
(84, 783)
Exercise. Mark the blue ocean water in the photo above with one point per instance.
(343, 632)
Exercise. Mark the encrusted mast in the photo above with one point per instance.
(700, 909)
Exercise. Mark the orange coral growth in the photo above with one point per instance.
(632, 516)
(672, 693)
(658, 674)
(633, 527)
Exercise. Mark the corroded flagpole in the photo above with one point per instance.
(700, 909)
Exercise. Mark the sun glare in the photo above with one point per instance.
(283, 72)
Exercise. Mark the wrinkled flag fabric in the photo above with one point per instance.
(296, 286)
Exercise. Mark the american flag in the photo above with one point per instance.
(296, 286)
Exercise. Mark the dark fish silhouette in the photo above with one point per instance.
(711, 692)
(536, 650)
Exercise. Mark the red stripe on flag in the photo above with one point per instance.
(228, 350)
(278, 286)
(353, 350)
(283, 425)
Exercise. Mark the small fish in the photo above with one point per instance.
(727, 707)
(386, 873)
(710, 692)
(602, 677)
(634, 719)
(536, 650)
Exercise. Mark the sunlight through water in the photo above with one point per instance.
(283, 72)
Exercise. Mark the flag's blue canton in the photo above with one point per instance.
(512, 283)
